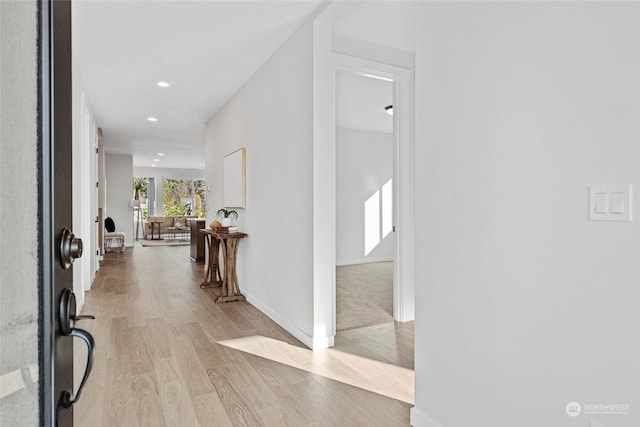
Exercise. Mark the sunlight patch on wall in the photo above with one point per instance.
(371, 222)
(387, 208)
(378, 217)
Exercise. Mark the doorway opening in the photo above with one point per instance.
(364, 200)
(373, 189)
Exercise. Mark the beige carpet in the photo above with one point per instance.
(364, 295)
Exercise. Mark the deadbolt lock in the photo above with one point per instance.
(70, 248)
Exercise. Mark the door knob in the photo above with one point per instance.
(70, 248)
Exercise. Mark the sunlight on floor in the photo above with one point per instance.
(382, 378)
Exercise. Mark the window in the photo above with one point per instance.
(184, 197)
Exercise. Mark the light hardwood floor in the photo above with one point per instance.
(163, 357)
(364, 295)
(364, 315)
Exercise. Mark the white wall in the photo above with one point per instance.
(102, 180)
(84, 194)
(19, 211)
(364, 163)
(272, 117)
(383, 22)
(160, 174)
(523, 304)
(119, 192)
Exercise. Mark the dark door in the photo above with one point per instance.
(59, 247)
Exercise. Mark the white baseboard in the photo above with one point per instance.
(314, 343)
(420, 419)
(362, 261)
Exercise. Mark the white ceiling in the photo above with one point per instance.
(206, 50)
(360, 103)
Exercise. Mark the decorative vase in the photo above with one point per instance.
(225, 222)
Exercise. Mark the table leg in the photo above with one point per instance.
(213, 270)
(153, 229)
(230, 288)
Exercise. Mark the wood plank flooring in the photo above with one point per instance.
(364, 295)
(158, 361)
(364, 315)
(383, 378)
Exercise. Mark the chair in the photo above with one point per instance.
(113, 240)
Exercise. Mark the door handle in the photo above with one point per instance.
(68, 315)
(66, 400)
(68, 318)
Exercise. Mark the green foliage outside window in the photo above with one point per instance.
(140, 186)
(184, 197)
(140, 191)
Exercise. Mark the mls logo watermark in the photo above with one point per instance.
(573, 409)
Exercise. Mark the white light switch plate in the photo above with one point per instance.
(610, 202)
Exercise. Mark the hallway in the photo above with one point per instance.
(159, 361)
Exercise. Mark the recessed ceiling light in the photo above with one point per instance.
(389, 109)
(160, 154)
(156, 160)
(152, 119)
(153, 165)
(163, 84)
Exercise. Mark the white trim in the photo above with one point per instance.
(360, 48)
(325, 55)
(404, 198)
(324, 197)
(368, 68)
(362, 261)
(94, 196)
(420, 419)
(314, 343)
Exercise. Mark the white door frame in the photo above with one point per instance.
(324, 192)
(403, 285)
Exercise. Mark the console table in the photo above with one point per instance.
(230, 291)
(197, 239)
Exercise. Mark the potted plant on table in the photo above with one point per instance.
(226, 215)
